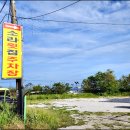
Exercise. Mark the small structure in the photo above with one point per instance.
(5, 95)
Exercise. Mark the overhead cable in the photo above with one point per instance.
(3, 6)
(50, 12)
(79, 22)
(9, 12)
(3, 18)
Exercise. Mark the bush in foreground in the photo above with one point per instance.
(8, 118)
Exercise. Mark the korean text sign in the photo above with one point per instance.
(12, 51)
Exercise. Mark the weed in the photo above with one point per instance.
(80, 122)
(94, 113)
(80, 95)
(108, 125)
(61, 96)
(38, 118)
(8, 118)
(96, 126)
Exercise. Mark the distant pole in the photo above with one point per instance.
(19, 85)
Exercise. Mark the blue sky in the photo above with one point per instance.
(66, 52)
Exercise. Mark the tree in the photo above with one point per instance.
(89, 84)
(124, 83)
(111, 84)
(60, 88)
(47, 90)
(37, 88)
(67, 87)
(29, 85)
(101, 82)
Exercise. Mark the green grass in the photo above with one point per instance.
(51, 118)
(80, 122)
(108, 125)
(60, 96)
(46, 98)
(105, 113)
(9, 119)
(80, 95)
(45, 101)
(39, 118)
(96, 126)
(119, 94)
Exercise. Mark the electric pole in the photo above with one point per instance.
(19, 86)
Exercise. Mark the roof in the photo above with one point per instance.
(4, 89)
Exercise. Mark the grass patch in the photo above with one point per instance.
(38, 98)
(94, 113)
(45, 101)
(39, 118)
(105, 113)
(118, 124)
(96, 126)
(80, 122)
(51, 118)
(121, 124)
(8, 118)
(61, 96)
(108, 125)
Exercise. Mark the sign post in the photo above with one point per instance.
(12, 51)
(12, 59)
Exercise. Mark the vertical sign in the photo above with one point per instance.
(12, 51)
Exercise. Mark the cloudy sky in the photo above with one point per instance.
(68, 52)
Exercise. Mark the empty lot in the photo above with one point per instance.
(103, 113)
(95, 104)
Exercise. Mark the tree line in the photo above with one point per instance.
(57, 88)
(106, 82)
(101, 82)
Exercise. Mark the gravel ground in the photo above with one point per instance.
(95, 104)
(110, 106)
(107, 121)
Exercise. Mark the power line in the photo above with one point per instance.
(3, 6)
(1, 11)
(79, 22)
(65, 21)
(3, 18)
(9, 13)
(60, 80)
(51, 11)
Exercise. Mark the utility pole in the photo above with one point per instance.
(19, 86)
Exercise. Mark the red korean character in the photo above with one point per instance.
(11, 65)
(12, 72)
(12, 45)
(16, 66)
(12, 58)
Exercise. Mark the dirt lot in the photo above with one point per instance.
(98, 113)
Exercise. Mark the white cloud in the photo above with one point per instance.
(42, 50)
(82, 11)
(75, 48)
